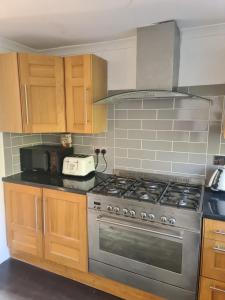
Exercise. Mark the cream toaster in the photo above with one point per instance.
(78, 165)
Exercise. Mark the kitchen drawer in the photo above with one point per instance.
(211, 289)
(214, 230)
(213, 259)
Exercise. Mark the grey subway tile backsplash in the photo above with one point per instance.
(157, 145)
(144, 114)
(121, 114)
(142, 134)
(156, 165)
(127, 162)
(184, 114)
(125, 143)
(129, 104)
(188, 168)
(157, 124)
(198, 136)
(190, 147)
(128, 124)
(172, 135)
(162, 136)
(191, 125)
(172, 156)
(158, 104)
(197, 158)
(141, 154)
(214, 138)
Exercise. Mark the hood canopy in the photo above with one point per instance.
(147, 95)
(158, 59)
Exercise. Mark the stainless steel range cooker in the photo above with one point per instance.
(146, 233)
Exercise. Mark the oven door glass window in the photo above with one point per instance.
(142, 246)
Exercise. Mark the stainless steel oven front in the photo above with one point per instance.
(129, 250)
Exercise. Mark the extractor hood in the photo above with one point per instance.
(158, 59)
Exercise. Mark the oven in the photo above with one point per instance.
(151, 256)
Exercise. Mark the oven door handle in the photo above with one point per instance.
(105, 220)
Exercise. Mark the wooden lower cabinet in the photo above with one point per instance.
(213, 259)
(211, 289)
(48, 229)
(212, 280)
(24, 219)
(65, 229)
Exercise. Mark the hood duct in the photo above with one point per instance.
(158, 59)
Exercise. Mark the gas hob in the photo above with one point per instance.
(163, 201)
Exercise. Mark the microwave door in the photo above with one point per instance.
(41, 161)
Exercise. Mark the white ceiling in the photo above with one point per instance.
(45, 24)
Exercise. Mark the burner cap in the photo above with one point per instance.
(144, 196)
(112, 191)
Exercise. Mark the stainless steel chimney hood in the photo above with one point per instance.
(158, 59)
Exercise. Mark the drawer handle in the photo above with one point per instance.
(217, 248)
(216, 289)
(219, 232)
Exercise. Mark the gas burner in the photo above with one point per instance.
(145, 190)
(113, 191)
(182, 195)
(114, 186)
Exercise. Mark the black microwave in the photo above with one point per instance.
(47, 158)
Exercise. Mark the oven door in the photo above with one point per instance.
(160, 252)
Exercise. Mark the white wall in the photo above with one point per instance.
(202, 57)
(3, 247)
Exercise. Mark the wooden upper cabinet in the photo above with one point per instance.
(65, 229)
(31, 93)
(86, 82)
(24, 219)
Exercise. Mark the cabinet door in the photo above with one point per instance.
(214, 230)
(65, 229)
(211, 289)
(213, 259)
(24, 219)
(42, 93)
(79, 93)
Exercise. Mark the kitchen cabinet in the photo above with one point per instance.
(24, 219)
(32, 95)
(211, 289)
(63, 236)
(48, 229)
(65, 229)
(212, 283)
(86, 82)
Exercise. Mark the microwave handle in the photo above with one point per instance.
(143, 228)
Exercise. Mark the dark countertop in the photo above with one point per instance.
(73, 184)
(214, 205)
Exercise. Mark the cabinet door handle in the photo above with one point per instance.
(36, 213)
(26, 104)
(44, 216)
(219, 232)
(217, 248)
(216, 289)
(85, 106)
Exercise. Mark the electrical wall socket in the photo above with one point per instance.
(219, 160)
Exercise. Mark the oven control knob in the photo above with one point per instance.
(143, 215)
(109, 208)
(125, 212)
(163, 219)
(151, 217)
(132, 213)
(172, 221)
(116, 209)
